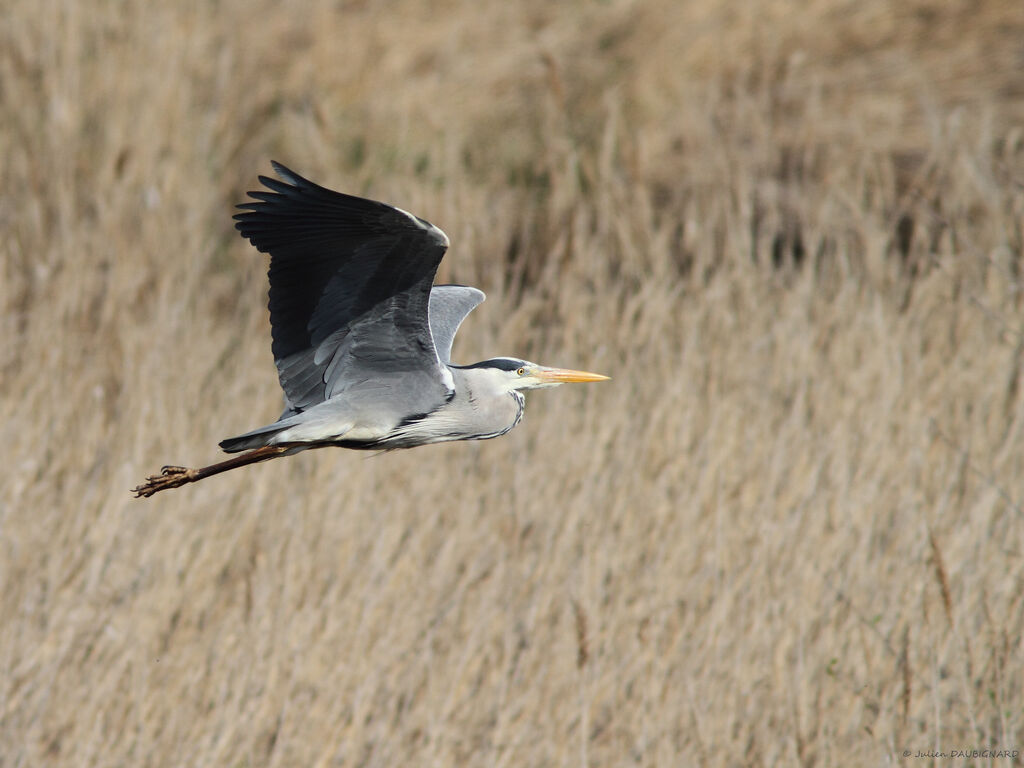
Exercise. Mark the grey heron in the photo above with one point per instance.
(361, 337)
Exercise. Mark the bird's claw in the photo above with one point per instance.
(170, 477)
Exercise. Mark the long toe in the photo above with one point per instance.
(169, 477)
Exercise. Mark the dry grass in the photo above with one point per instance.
(789, 531)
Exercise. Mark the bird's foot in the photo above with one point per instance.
(169, 477)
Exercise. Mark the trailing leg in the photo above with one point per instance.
(173, 477)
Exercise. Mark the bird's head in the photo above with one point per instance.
(516, 374)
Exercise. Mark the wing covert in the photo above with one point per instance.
(449, 306)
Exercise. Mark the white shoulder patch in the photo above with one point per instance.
(426, 226)
(446, 377)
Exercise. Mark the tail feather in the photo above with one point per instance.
(256, 438)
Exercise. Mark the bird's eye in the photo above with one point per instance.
(521, 372)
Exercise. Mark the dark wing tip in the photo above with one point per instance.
(294, 200)
(288, 184)
(286, 173)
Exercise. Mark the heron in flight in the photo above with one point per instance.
(362, 338)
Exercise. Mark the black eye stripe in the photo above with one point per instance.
(501, 363)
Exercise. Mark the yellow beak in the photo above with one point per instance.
(565, 376)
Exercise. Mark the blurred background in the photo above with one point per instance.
(789, 530)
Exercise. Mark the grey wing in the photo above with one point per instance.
(350, 282)
(449, 306)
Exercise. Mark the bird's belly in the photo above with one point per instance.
(332, 430)
(366, 433)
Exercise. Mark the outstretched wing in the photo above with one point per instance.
(449, 305)
(350, 282)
